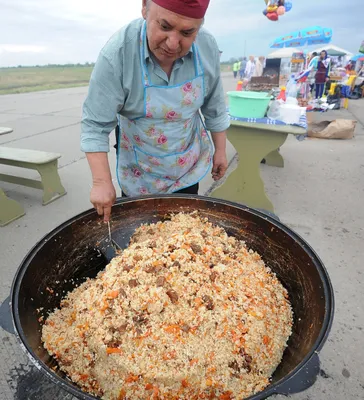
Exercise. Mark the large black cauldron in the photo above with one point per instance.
(68, 255)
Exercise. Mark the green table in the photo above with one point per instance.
(253, 142)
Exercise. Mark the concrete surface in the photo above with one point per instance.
(319, 194)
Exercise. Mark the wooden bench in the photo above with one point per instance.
(47, 166)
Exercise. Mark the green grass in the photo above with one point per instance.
(225, 67)
(32, 79)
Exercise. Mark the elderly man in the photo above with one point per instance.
(152, 79)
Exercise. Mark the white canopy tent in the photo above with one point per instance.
(334, 51)
(283, 53)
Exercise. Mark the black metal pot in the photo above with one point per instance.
(68, 255)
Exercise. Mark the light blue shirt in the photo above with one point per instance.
(116, 85)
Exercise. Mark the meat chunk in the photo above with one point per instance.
(196, 248)
(208, 302)
(186, 328)
(133, 283)
(247, 359)
(128, 268)
(173, 296)
(160, 281)
(213, 276)
(234, 365)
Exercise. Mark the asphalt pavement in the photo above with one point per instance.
(319, 193)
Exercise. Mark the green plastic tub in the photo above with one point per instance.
(248, 104)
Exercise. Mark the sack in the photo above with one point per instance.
(338, 129)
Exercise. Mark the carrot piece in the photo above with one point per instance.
(266, 339)
(225, 396)
(113, 294)
(148, 386)
(209, 382)
(83, 377)
(194, 361)
(131, 378)
(172, 329)
(111, 350)
(184, 383)
(122, 394)
(155, 392)
(198, 302)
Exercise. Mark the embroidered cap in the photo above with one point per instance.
(188, 8)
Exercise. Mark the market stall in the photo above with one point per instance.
(279, 63)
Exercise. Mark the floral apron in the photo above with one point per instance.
(167, 148)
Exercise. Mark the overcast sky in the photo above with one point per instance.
(71, 31)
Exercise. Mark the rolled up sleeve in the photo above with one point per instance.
(214, 107)
(104, 100)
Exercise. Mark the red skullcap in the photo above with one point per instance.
(188, 8)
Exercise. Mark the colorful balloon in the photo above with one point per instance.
(272, 8)
(273, 16)
(281, 10)
(288, 5)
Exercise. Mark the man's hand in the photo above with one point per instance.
(102, 197)
(103, 193)
(220, 165)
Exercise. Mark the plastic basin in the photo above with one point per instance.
(248, 104)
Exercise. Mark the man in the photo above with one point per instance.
(153, 78)
(259, 67)
(250, 68)
(235, 69)
(242, 68)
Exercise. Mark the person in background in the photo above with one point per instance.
(242, 67)
(361, 71)
(236, 69)
(250, 68)
(312, 66)
(259, 67)
(148, 81)
(322, 73)
(350, 66)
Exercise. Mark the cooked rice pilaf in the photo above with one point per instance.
(185, 312)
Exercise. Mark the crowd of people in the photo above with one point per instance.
(319, 68)
(248, 68)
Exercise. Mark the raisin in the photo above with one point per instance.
(128, 268)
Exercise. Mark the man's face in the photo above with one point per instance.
(323, 55)
(170, 36)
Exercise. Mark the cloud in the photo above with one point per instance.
(76, 30)
(16, 48)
